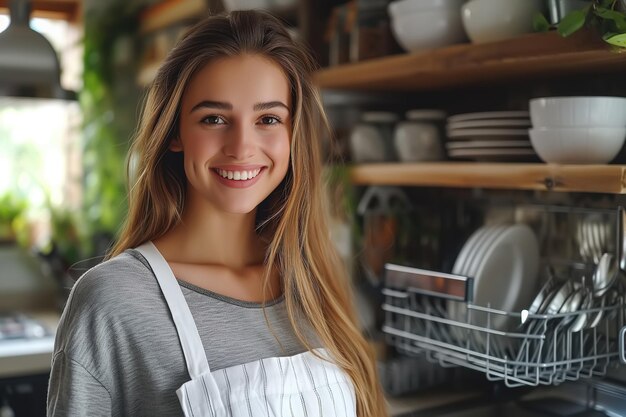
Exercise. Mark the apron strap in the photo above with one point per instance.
(195, 356)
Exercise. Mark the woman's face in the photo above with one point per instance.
(235, 130)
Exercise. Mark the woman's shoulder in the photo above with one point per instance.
(123, 272)
(116, 286)
(108, 298)
(115, 313)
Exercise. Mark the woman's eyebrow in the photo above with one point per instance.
(269, 105)
(208, 104)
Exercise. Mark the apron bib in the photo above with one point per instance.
(293, 386)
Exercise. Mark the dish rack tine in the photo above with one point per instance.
(621, 237)
(622, 343)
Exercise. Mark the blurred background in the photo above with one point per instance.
(434, 136)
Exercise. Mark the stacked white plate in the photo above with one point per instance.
(503, 260)
(490, 136)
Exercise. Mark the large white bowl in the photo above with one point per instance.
(578, 111)
(403, 7)
(494, 20)
(580, 145)
(426, 29)
(232, 5)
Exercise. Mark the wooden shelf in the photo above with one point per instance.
(147, 73)
(69, 10)
(528, 56)
(543, 177)
(169, 12)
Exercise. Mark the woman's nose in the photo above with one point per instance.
(240, 142)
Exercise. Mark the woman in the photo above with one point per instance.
(223, 295)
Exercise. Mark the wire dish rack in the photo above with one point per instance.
(422, 316)
(536, 349)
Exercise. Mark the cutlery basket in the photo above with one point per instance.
(421, 316)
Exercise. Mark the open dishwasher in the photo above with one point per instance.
(529, 306)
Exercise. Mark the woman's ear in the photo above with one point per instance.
(176, 145)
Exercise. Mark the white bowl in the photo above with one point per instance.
(232, 5)
(578, 111)
(428, 29)
(403, 7)
(494, 20)
(580, 145)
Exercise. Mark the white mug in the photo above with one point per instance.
(418, 141)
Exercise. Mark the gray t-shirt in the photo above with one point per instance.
(117, 352)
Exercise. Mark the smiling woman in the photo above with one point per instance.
(231, 123)
(224, 295)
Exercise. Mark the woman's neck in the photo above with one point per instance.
(206, 235)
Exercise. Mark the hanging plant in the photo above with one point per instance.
(106, 129)
(600, 14)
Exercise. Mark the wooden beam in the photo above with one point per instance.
(543, 54)
(70, 10)
(515, 176)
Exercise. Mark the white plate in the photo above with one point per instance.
(506, 273)
(472, 144)
(473, 247)
(488, 115)
(490, 123)
(490, 231)
(468, 248)
(484, 247)
(473, 153)
(459, 310)
(460, 133)
(489, 138)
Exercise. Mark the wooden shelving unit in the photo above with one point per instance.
(543, 177)
(533, 55)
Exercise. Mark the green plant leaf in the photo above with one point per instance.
(620, 25)
(617, 19)
(617, 39)
(605, 13)
(572, 22)
(540, 23)
(607, 3)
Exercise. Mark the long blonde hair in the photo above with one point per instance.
(293, 219)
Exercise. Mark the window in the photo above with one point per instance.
(40, 146)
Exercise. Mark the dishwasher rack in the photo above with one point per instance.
(530, 349)
(550, 354)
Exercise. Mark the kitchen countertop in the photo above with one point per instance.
(29, 357)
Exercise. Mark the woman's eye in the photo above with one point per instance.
(270, 120)
(213, 120)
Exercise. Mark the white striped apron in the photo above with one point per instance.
(294, 386)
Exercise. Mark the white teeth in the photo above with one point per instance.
(238, 175)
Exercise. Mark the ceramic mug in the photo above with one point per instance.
(370, 139)
(419, 138)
